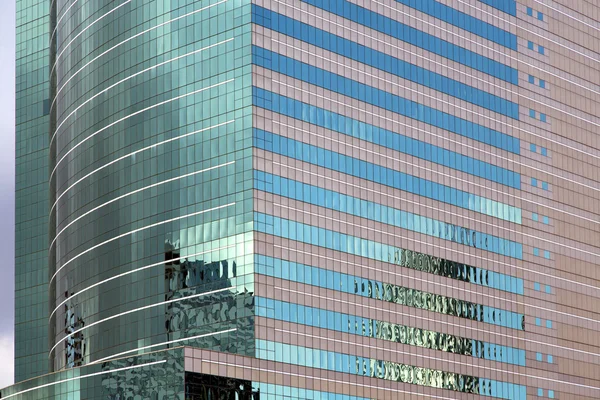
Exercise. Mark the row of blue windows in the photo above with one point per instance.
(507, 6)
(382, 99)
(386, 215)
(545, 185)
(543, 150)
(548, 323)
(536, 252)
(384, 176)
(537, 288)
(344, 47)
(540, 393)
(545, 219)
(388, 370)
(463, 21)
(270, 391)
(543, 116)
(382, 137)
(360, 247)
(541, 82)
(367, 327)
(417, 38)
(373, 289)
(540, 15)
(540, 357)
(531, 46)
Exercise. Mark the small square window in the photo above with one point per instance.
(534, 216)
(533, 148)
(538, 322)
(530, 45)
(540, 16)
(540, 392)
(536, 251)
(544, 151)
(533, 182)
(532, 113)
(545, 185)
(550, 359)
(531, 79)
(546, 220)
(542, 84)
(536, 286)
(541, 50)
(550, 394)
(538, 356)
(547, 254)
(542, 117)
(548, 289)
(530, 11)
(548, 324)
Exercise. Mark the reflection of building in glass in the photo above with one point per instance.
(303, 199)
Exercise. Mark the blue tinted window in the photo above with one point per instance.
(387, 215)
(546, 220)
(542, 117)
(418, 38)
(536, 286)
(532, 113)
(541, 49)
(534, 182)
(530, 45)
(540, 392)
(507, 6)
(540, 16)
(381, 252)
(550, 359)
(550, 394)
(348, 87)
(538, 322)
(532, 147)
(546, 254)
(538, 356)
(542, 84)
(531, 79)
(385, 62)
(545, 185)
(385, 176)
(548, 289)
(360, 130)
(536, 251)
(530, 11)
(534, 216)
(544, 151)
(548, 324)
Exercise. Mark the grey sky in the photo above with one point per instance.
(7, 183)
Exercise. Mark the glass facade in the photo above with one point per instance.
(307, 199)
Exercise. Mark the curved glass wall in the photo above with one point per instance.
(150, 178)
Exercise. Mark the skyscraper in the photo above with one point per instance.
(334, 199)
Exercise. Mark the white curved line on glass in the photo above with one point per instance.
(135, 231)
(132, 154)
(84, 376)
(507, 265)
(82, 32)
(127, 40)
(134, 192)
(139, 309)
(132, 115)
(136, 270)
(129, 77)
(61, 17)
(164, 344)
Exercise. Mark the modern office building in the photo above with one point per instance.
(307, 199)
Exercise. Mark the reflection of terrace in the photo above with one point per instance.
(206, 314)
